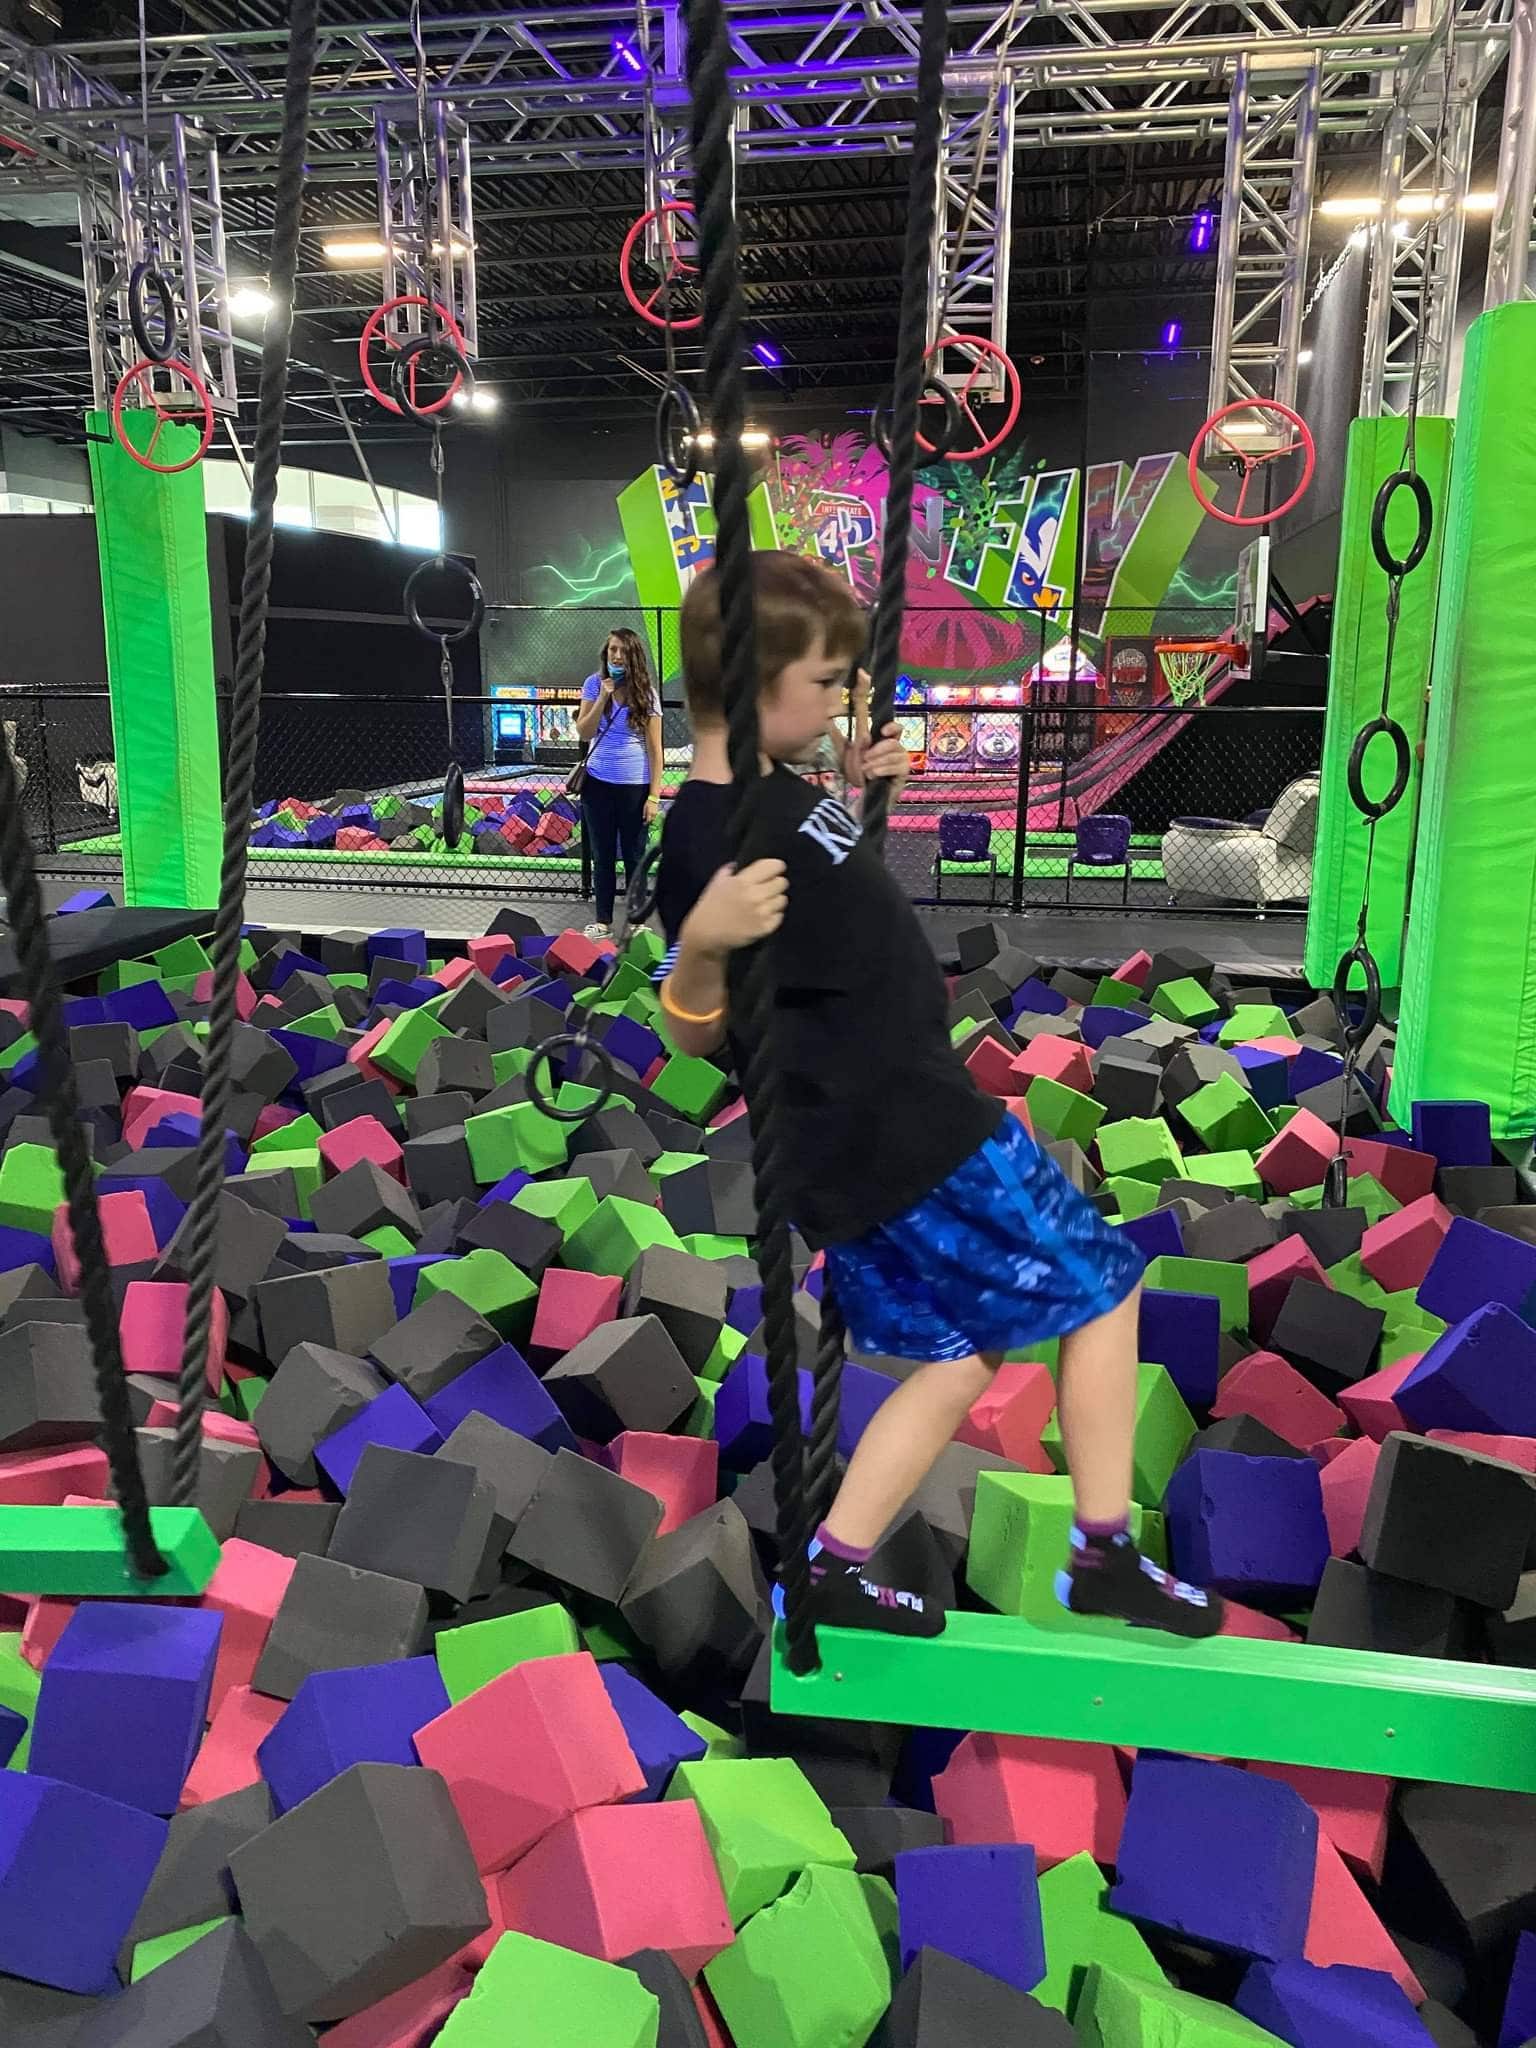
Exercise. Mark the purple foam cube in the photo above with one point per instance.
(321, 831)
(554, 995)
(503, 1386)
(402, 1278)
(84, 1010)
(407, 995)
(398, 942)
(743, 1423)
(290, 964)
(1480, 1374)
(26, 1248)
(1474, 1266)
(394, 1418)
(74, 1868)
(1217, 1856)
(1458, 1134)
(1316, 2007)
(264, 835)
(1157, 1235)
(1519, 2021)
(1103, 1021)
(1183, 1332)
(861, 1393)
(924, 1754)
(536, 944)
(85, 899)
(13, 1727)
(978, 1904)
(746, 1309)
(123, 1700)
(143, 1005)
(510, 968)
(1038, 998)
(366, 1714)
(509, 1185)
(633, 1044)
(660, 1739)
(311, 1055)
(180, 1128)
(1269, 1075)
(1251, 1527)
(1311, 1067)
(814, 1284)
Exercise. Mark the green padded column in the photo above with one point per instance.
(1468, 1012)
(151, 534)
(1354, 698)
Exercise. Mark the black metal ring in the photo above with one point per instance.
(546, 1052)
(640, 899)
(1402, 768)
(432, 352)
(476, 601)
(148, 292)
(677, 433)
(940, 442)
(453, 806)
(1359, 955)
(1401, 480)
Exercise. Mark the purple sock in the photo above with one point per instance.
(1104, 1532)
(848, 1552)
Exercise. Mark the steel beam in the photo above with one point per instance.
(1509, 246)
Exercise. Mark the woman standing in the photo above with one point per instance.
(620, 722)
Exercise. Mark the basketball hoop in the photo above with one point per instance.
(1188, 665)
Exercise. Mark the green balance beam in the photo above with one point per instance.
(1343, 1710)
(80, 1552)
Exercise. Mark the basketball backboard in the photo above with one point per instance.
(1250, 622)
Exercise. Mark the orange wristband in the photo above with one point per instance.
(687, 1016)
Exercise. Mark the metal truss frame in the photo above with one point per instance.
(973, 223)
(432, 259)
(1514, 203)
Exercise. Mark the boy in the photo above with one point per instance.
(950, 1236)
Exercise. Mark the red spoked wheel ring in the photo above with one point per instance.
(374, 326)
(142, 373)
(678, 267)
(981, 348)
(1251, 461)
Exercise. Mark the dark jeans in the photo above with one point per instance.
(613, 814)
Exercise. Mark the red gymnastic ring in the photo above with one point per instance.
(981, 348)
(374, 326)
(1250, 461)
(142, 373)
(677, 266)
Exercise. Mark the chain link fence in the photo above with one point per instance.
(1050, 769)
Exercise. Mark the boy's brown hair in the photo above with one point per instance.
(798, 603)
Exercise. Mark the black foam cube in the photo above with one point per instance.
(1178, 963)
(1329, 1234)
(1327, 1335)
(333, 1616)
(1466, 1189)
(1126, 1085)
(1449, 1518)
(413, 1517)
(714, 1197)
(531, 1242)
(362, 1198)
(616, 1129)
(943, 2002)
(363, 1098)
(117, 1044)
(247, 1243)
(346, 1308)
(191, 1881)
(698, 1600)
(344, 952)
(1511, 1636)
(807, 1332)
(626, 1374)
(226, 1473)
(427, 1113)
(946, 1499)
(1194, 1067)
(1359, 1609)
(317, 1251)
(686, 1295)
(455, 1064)
(216, 1994)
(313, 1392)
(469, 1005)
(1514, 1221)
(519, 1025)
(438, 1168)
(1461, 1860)
(679, 2022)
(434, 1344)
(360, 1889)
(1234, 1231)
(22, 1284)
(1333, 1102)
(586, 1527)
(1244, 1434)
(615, 1173)
(273, 1190)
(444, 1223)
(880, 1834)
(293, 1528)
(513, 1467)
(37, 2016)
(979, 943)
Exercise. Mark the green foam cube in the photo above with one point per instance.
(1185, 1002)
(389, 1241)
(607, 1636)
(531, 1990)
(19, 1686)
(1116, 995)
(565, 1203)
(517, 1059)
(1254, 1020)
(709, 1244)
(149, 1955)
(1365, 1192)
(765, 1824)
(700, 1419)
(1116, 2010)
(1348, 1276)
(614, 1236)
(322, 1023)
(1132, 1197)
(489, 1282)
(1226, 1280)
(695, 1088)
(1020, 1540)
(1057, 1111)
(130, 973)
(728, 1347)
(13, 1055)
(1225, 1117)
(398, 1053)
(643, 950)
(723, 1745)
(666, 1163)
(303, 1161)
(519, 1136)
(289, 1137)
(472, 1655)
(1080, 1931)
(1141, 1147)
(813, 1969)
(183, 956)
(1233, 1170)
(1164, 1427)
(31, 1188)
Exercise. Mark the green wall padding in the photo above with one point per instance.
(1376, 449)
(151, 535)
(1467, 1022)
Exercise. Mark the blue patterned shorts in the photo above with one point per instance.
(1004, 1253)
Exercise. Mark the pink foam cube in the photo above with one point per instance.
(1269, 1388)
(1346, 1482)
(716, 2033)
(729, 1114)
(1058, 1059)
(990, 1065)
(126, 1230)
(45, 1623)
(528, 1750)
(45, 1479)
(226, 1762)
(1270, 1277)
(1062, 1797)
(1018, 1108)
(247, 1589)
(1398, 1250)
(245, 995)
(577, 1887)
(408, 2017)
(1371, 1404)
(452, 972)
(1135, 970)
(1287, 1048)
(1010, 1416)
(1238, 1620)
(1513, 1450)
(1328, 1448)
(153, 1329)
(361, 1055)
(1298, 1155)
(272, 1118)
(363, 1137)
(570, 1307)
(682, 1471)
(488, 953)
(573, 953)
(144, 1107)
(1351, 1808)
(1404, 1173)
(13, 1006)
(1344, 1929)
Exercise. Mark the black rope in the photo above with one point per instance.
(240, 763)
(56, 1084)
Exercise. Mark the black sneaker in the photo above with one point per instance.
(844, 1596)
(1113, 1578)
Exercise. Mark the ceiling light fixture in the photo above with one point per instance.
(339, 247)
(1367, 205)
(249, 301)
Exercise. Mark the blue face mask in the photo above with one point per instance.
(616, 669)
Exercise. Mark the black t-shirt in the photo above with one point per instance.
(876, 1108)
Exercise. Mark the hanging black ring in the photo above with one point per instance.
(677, 433)
(443, 359)
(453, 806)
(940, 442)
(150, 302)
(1359, 955)
(640, 900)
(444, 636)
(1401, 480)
(545, 1053)
(1402, 768)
